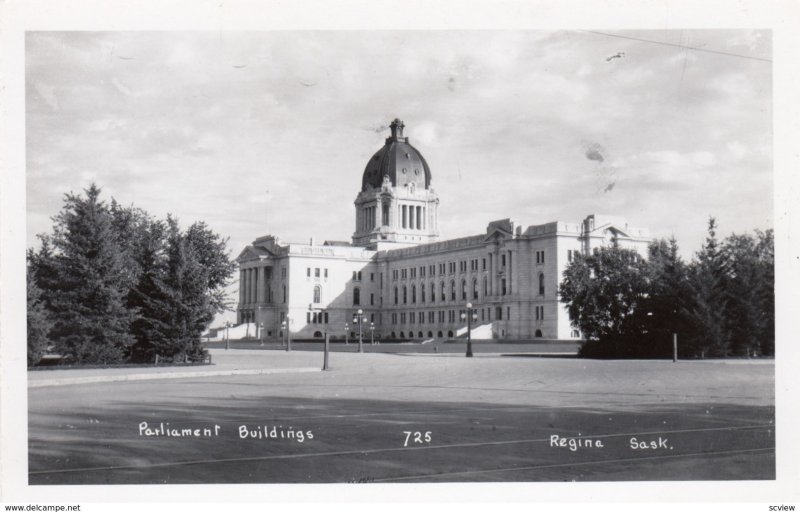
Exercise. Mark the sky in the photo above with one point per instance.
(269, 132)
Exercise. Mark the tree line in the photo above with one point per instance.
(720, 304)
(113, 284)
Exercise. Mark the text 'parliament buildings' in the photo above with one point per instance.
(407, 283)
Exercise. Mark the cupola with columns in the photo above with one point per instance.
(396, 202)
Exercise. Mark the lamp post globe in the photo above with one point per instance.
(359, 319)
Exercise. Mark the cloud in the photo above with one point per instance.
(528, 124)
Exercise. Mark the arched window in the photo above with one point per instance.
(485, 287)
(430, 334)
(410, 334)
(395, 295)
(356, 296)
(453, 291)
(439, 334)
(433, 293)
(413, 294)
(463, 289)
(538, 333)
(474, 288)
(405, 294)
(317, 292)
(449, 334)
(444, 292)
(541, 283)
(422, 293)
(317, 334)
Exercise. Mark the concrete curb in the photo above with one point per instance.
(157, 376)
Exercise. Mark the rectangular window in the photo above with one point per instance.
(308, 272)
(484, 263)
(371, 299)
(316, 272)
(355, 274)
(326, 273)
(502, 287)
(308, 317)
(371, 276)
(499, 312)
(283, 272)
(502, 260)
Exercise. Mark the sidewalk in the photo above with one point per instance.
(224, 362)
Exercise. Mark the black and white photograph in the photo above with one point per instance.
(399, 256)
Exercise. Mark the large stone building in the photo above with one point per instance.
(406, 282)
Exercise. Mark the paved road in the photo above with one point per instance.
(497, 425)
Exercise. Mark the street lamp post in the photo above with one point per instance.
(346, 333)
(261, 325)
(285, 325)
(372, 333)
(360, 341)
(227, 335)
(469, 316)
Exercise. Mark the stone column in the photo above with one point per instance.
(262, 281)
(252, 286)
(241, 287)
(492, 264)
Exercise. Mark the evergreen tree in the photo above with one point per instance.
(707, 306)
(766, 258)
(91, 320)
(188, 303)
(667, 295)
(38, 322)
(750, 309)
(149, 297)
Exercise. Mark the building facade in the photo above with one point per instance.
(408, 284)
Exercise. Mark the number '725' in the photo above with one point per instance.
(418, 437)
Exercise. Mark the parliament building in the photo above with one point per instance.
(408, 284)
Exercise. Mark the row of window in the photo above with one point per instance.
(465, 292)
(453, 316)
(443, 268)
(317, 298)
(308, 272)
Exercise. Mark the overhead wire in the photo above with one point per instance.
(685, 47)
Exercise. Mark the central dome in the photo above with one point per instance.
(399, 161)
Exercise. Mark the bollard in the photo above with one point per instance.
(325, 357)
(674, 347)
